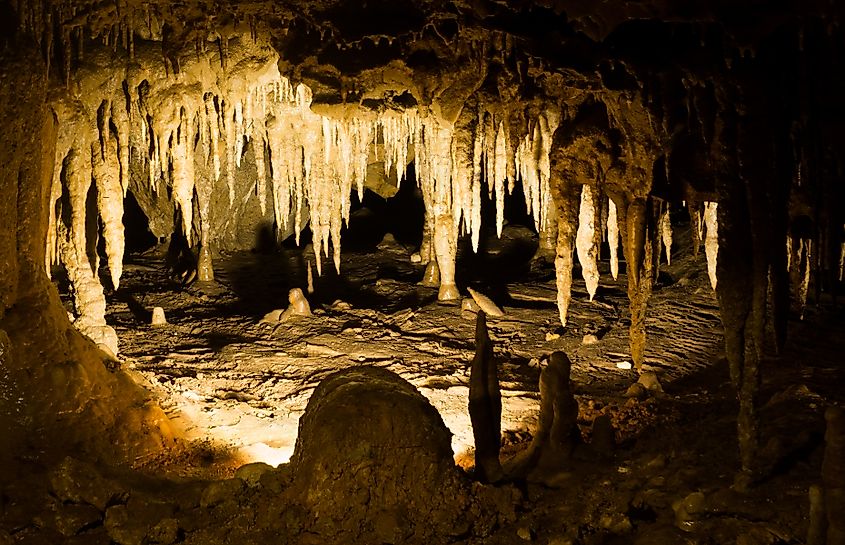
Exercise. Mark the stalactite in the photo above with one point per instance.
(106, 172)
(567, 226)
(500, 173)
(639, 238)
(711, 241)
(585, 241)
(212, 117)
(120, 117)
(182, 157)
(261, 170)
(229, 130)
(434, 165)
(666, 233)
(89, 301)
(805, 256)
(531, 163)
(613, 238)
(696, 225)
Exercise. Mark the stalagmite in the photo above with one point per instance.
(711, 240)
(158, 317)
(298, 307)
(556, 433)
(613, 238)
(309, 279)
(585, 241)
(666, 234)
(485, 405)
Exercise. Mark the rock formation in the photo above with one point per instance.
(373, 462)
(225, 121)
(485, 405)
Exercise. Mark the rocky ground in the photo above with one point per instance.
(237, 386)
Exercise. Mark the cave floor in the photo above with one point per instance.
(223, 374)
(238, 385)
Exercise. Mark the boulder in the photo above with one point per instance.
(373, 462)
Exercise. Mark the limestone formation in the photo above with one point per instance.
(373, 462)
(557, 433)
(504, 126)
(485, 405)
(486, 304)
(158, 317)
(298, 305)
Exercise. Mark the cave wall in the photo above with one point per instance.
(56, 395)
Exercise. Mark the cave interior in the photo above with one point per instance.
(422, 271)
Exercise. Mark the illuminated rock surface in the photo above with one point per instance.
(214, 160)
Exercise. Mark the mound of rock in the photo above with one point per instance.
(373, 463)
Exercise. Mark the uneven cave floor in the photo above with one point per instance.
(238, 386)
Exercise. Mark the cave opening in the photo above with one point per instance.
(418, 272)
(136, 225)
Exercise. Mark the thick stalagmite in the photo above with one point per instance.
(585, 241)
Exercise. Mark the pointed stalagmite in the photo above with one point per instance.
(485, 405)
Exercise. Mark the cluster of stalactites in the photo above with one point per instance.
(315, 160)
(598, 221)
(99, 151)
(61, 27)
(533, 167)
